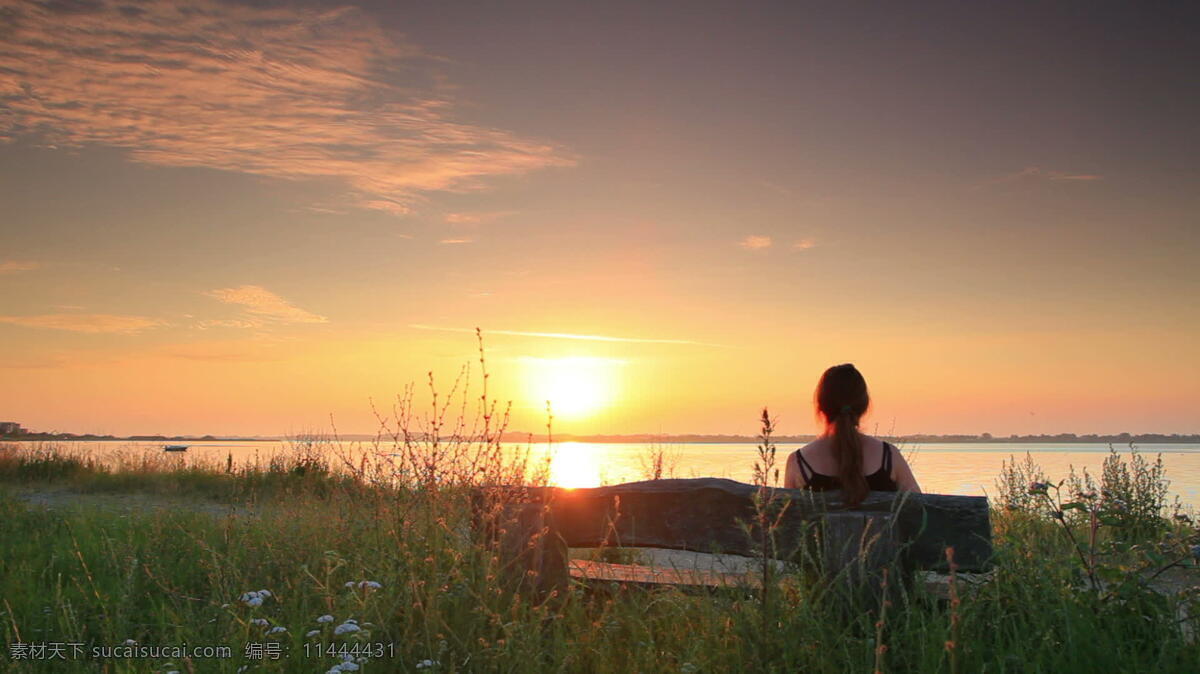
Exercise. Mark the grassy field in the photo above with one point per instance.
(103, 556)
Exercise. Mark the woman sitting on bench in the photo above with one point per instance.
(844, 458)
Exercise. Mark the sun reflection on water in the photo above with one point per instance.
(574, 464)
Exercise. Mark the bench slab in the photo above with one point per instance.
(706, 515)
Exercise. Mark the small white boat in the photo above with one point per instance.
(175, 448)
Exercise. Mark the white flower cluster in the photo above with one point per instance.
(364, 585)
(346, 665)
(348, 626)
(427, 664)
(254, 598)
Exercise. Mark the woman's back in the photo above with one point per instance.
(814, 466)
(877, 458)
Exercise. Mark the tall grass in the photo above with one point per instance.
(79, 574)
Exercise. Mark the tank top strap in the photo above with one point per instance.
(886, 463)
(806, 470)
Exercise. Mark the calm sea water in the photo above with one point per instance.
(948, 468)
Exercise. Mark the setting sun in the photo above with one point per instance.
(575, 387)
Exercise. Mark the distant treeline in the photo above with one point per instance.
(643, 438)
(1091, 438)
(1121, 438)
(89, 437)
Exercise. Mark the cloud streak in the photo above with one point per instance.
(296, 94)
(85, 323)
(567, 335)
(755, 242)
(1037, 173)
(476, 218)
(262, 303)
(17, 266)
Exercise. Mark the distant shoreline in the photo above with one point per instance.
(689, 439)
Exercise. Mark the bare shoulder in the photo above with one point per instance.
(814, 446)
(872, 450)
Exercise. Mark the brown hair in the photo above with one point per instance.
(841, 398)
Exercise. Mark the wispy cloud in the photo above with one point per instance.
(86, 323)
(566, 335)
(1030, 173)
(755, 242)
(262, 303)
(476, 218)
(17, 266)
(291, 93)
(457, 239)
(240, 323)
(1076, 176)
(226, 352)
(804, 244)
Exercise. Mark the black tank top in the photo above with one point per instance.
(880, 480)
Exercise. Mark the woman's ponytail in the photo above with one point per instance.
(847, 448)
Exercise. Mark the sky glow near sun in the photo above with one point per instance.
(232, 218)
(574, 386)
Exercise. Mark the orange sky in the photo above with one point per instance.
(238, 220)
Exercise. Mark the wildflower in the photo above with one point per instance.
(130, 642)
(348, 666)
(369, 585)
(311, 633)
(254, 598)
(278, 629)
(427, 664)
(346, 628)
(261, 622)
(325, 618)
(689, 668)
